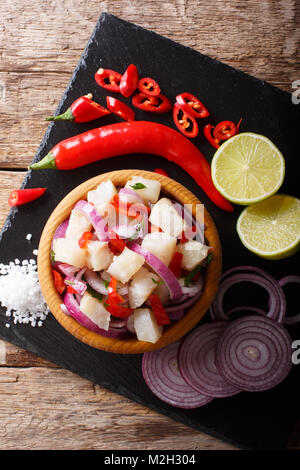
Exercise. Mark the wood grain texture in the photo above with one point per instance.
(129, 345)
(40, 44)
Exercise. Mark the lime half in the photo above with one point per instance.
(247, 168)
(271, 228)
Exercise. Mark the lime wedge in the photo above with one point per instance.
(247, 168)
(271, 228)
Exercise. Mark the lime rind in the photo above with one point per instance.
(234, 166)
(288, 249)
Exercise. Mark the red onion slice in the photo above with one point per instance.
(277, 304)
(254, 353)
(186, 304)
(293, 279)
(74, 310)
(197, 357)
(67, 269)
(176, 314)
(130, 196)
(161, 269)
(76, 284)
(96, 220)
(161, 374)
(60, 232)
(95, 281)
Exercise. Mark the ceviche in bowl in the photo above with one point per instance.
(129, 261)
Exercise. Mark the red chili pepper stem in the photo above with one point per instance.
(66, 116)
(84, 109)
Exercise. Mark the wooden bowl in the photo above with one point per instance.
(128, 345)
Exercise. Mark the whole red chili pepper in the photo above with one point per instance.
(22, 196)
(149, 87)
(129, 81)
(154, 104)
(134, 137)
(108, 79)
(185, 123)
(120, 108)
(84, 109)
(207, 134)
(192, 105)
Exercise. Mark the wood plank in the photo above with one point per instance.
(37, 412)
(10, 180)
(40, 44)
(40, 47)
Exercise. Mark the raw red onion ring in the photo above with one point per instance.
(196, 359)
(292, 278)
(277, 303)
(161, 374)
(254, 353)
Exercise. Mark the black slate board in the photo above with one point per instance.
(250, 421)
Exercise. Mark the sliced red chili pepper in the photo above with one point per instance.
(224, 130)
(119, 108)
(192, 105)
(71, 290)
(22, 196)
(108, 79)
(183, 238)
(160, 171)
(58, 282)
(129, 81)
(84, 109)
(116, 245)
(207, 134)
(154, 104)
(175, 263)
(84, 239)
(159, 311)
(185, 123)
(149, 87)
(133, 210)
(113, 296)
(118, 310)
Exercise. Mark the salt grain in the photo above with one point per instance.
(20, 293)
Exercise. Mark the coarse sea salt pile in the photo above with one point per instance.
(20, 292)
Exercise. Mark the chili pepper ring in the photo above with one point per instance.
(134, 137)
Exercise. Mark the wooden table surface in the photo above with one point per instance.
(43, 406)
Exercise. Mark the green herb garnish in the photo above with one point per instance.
(157, 282)
(209, 258)
(52, 256)
(138, 186)
(106, 284)
(94, 293)
(189, 278)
